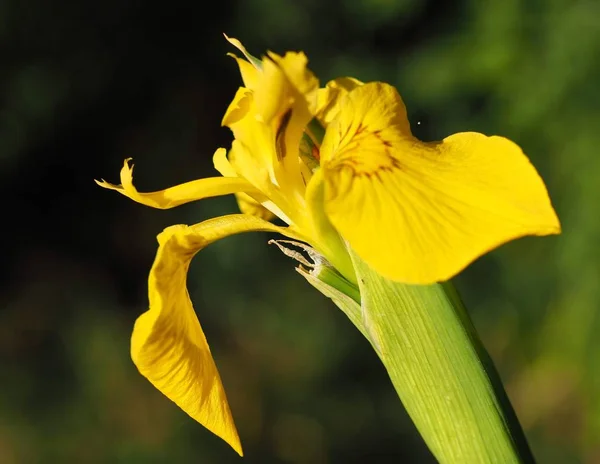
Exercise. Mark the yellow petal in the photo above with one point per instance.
(237, 44)
(247, 204)
(179, 194)
(255, 140)
(255, 156)
(420, 212)
(168, 345)
(304, 83)
(268, 124)
(274, 93)
(329, 98)
(285, 100)
(222, 164)
(238, 108)
(284, 81)
(249, 73)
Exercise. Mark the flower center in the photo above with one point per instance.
(367, 152)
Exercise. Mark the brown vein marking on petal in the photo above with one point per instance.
(367, 153)
(280, 136)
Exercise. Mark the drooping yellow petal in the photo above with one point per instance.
(420, 212)
(179, 194)
(168, 345)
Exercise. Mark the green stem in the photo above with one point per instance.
(512, 422)
(440, 370)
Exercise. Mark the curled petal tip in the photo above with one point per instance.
(107, 185)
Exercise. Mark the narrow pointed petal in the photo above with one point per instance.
(237, 44)
(179, 194)
(168, 345)
(420, 212)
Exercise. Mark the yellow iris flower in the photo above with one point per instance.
(340, 167)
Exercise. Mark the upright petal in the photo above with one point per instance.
(246, 203)
(330, 97)
(420, 212)
(168, 345)
(222, 164)
(238, 108)
(268, 122)
(179, 194)
(258, 154)
(284, 81)
(250, 74)
(251, 59)
(285, 99)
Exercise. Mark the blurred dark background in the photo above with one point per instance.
(87, 84)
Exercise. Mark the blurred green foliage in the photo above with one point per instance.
(86, 84)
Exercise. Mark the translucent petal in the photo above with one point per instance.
(420, 212)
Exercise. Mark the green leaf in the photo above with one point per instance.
(440, 370)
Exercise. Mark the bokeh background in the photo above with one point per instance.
(86, 84)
